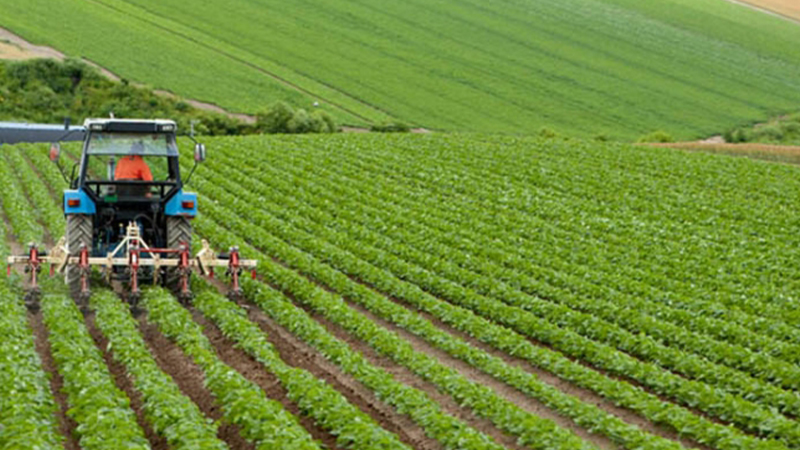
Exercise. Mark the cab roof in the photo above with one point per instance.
(131, 125)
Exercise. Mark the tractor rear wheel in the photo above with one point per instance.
(79, 232)
(179, 231)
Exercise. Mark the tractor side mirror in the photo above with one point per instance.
(199, 152)
(55, 152)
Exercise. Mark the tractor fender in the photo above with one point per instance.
(182, 204)
(78, 202)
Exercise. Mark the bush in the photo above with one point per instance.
(657, 137)
(275, 119)
(391, 127)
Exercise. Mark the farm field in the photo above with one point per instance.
(432, 292)
(620, 68)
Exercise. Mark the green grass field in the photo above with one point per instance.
(582, 67)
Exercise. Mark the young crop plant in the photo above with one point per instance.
(170, 413)
(102, 412)
(262, 421)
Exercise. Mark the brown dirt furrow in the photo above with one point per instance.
(407, 377)
(125, 384)
(66, 424)
(297, 353)
(507, 392)
(255, 372)
(189, 378)
(568, 387)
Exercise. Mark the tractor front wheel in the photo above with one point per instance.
(79, 232)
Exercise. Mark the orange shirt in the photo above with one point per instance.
(132, 168)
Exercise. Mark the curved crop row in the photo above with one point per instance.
(329, 408)
(170, 413)
(102, 412)
(262, 421)
(588, 325)
(556, 213)
(542, 261)
(531, 430)
(696, 394)
(582, 413)
(624, 394)
(556, 224)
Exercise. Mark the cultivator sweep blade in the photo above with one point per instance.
(134, 255)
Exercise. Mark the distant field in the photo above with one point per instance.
(788, 8)
(617, 67)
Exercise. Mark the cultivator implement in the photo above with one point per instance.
(132, 257)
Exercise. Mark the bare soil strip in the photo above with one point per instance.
(297, 353)
(66, 424)
(125, 384)
(409, 378)
(784, 9)
(255, 372)
(189, 379)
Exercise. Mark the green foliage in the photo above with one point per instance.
(659, 136)
(329, 408)
(102, 412)
(262, 421)
(45, 90)
(391, 127)
(511, 67)
(282, 118)
(170, 413)
(781, 131)
(27, 407)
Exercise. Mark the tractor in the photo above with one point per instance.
(126, 211)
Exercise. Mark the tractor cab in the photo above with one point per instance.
(129, 173)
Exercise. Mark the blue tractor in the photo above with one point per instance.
(126, 211)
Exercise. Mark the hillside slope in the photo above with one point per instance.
(619, 67)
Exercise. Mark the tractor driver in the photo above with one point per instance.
(132, 167)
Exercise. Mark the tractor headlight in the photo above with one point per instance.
(168, 128)
(96, 127)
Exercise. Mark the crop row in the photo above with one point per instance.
(541, 271)
(688, 364)
(18, 209)
(27, 407)
(170, 413)
(262, 421)
(41, 201)
(331, 253)
(694, 394)
(531, 430)
(329, 408)
(458, 229)
(102, 412)
(581, 219)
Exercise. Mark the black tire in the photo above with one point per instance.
(179, 230)
(79, 231)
